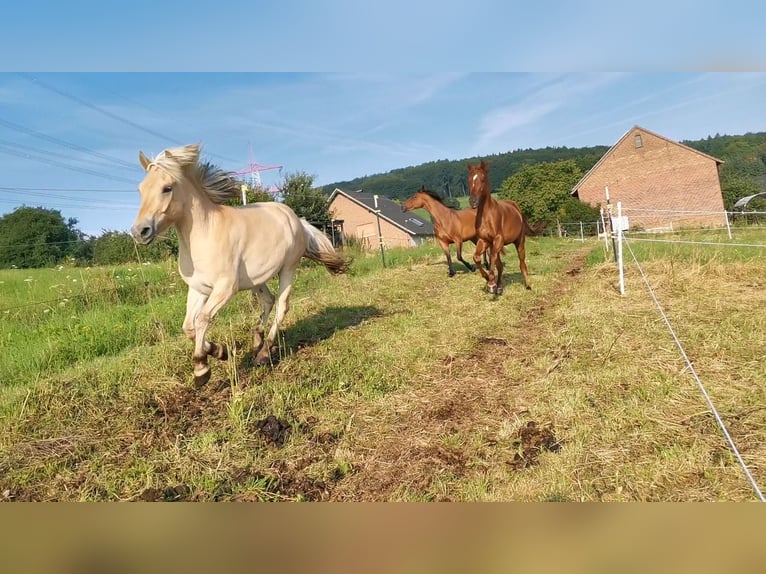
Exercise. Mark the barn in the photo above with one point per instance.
(360, 220)
(662, 184)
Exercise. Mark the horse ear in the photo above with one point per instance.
(143, 160)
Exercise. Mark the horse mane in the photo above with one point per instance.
(433, 195)
(218, 184)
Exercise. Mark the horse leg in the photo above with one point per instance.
(194, 302)
(459, 249)
(266, 300)
(481, 247)
(218, 297)
(286, 278)
(497, 251)
(521, 251)
(445, 248)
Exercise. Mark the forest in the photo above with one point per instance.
(742, 173)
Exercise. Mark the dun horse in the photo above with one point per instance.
(498, 223)
(450, 225)
(223, 250)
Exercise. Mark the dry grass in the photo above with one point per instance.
(406, 385)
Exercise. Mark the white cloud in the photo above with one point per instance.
(496, 126)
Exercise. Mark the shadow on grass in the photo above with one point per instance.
(325, 324)
(318, 327)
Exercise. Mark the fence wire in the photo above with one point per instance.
(689, 365)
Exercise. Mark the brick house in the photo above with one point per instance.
(662, 184)
(357, 211)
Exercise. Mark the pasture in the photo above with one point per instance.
(394, 383)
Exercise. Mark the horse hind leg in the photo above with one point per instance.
(459, 250)
(522, 261)
(265, 299)
(286, 278)
(445, 247)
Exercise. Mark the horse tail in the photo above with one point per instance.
(529, 230)
(319, 248)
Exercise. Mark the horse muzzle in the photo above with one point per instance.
(143, 232)
(473, 202)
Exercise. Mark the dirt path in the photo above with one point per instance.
(444, 428)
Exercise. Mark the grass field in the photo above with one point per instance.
(394, 384)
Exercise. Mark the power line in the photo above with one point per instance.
(26, 155)
(76, 199)
(64, 143)
(97, 206)
(96, 108)
(68, 189)
(46, 152)
(107, 113)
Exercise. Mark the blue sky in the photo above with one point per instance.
(82, 132)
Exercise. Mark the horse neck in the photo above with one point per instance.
(483, 205)
(437, 209)
(197, 214)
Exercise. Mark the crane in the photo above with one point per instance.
(255, 169)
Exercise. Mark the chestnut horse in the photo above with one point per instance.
(450, 225)
(223, 250)
(498, 223)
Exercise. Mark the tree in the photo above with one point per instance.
(543, 191)
(253, 194)
(37, 237)
(116, 247)
(308, 202)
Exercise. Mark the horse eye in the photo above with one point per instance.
(167, 189)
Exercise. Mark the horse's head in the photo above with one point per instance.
(161, 191)
(416, 201)
(478, 183)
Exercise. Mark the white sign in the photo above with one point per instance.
(620, 223)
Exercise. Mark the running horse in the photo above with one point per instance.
(223, 250)
(450, 225)
(498, 223)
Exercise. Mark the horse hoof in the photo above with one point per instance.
(223, 353)
(201, 380)
(264, 356)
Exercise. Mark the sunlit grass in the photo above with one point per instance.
(399, 383)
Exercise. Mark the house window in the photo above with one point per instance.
(638, 141)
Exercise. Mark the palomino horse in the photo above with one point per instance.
(223, 250)
(450, 225)
(498, 223)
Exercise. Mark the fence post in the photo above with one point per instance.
(603, 228)
(728, 227)
(380, 232)
(582, 236)
(611, 220)
(619, 247)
